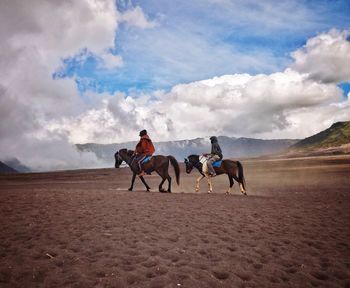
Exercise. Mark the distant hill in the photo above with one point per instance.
(17, 165)
(334, 140)
(232, 147)
(6, 169)
(336, 135)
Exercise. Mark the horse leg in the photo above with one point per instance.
(161, 174)
(167, 177)
(210, 187)
(144, 183)
(231, 184)
(169, 180)
(132, 181)
(242, 189)
(161, 184)
(240, 185)
(197, 182)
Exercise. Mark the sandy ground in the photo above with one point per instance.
(83, 229)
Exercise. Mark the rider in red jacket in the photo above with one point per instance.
(143, 149)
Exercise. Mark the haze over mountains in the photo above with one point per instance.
(6, 169)
(232, 147)
(332, 141)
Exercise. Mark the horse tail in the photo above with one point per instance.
(175, 164)
(240, 174)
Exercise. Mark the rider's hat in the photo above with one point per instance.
(143, 132)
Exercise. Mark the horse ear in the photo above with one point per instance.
(186, 160)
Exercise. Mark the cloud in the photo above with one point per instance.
(135, 17)
(110, 61)
(325, 57)
(270, 106)
(32, 49)
(41, 116)
(266, 16)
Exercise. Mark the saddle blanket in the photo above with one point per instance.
(146, 159)
(204, 159)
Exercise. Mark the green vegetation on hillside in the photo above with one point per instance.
(338, 134)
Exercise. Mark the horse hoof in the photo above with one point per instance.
(148, 190)
(130, 189)
(162, 191)
(209, 192)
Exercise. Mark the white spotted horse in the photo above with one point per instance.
(233, 169)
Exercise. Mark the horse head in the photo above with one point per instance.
(118, 159)
(188, 166)
(123, 155)
(190, 162)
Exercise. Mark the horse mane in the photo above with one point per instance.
(129, 153)
(193, 157)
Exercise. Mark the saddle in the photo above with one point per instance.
(148, 158)
(203, 159)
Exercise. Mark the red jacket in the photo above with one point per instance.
(145, 146)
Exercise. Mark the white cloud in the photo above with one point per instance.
(136, 17)
(270, 106)
(35, 37)
(41, 117)
(110, 61)
(325, 57)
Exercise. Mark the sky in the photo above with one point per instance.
(102, 70)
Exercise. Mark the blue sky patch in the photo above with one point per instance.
(196, 40)
(346, 88)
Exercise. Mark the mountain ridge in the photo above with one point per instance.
(336, 135)
(6, 169)
(232, 147)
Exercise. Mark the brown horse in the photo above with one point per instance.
(158, 163)
(233, 169)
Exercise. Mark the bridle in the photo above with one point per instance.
(132, 158)
(196, 165)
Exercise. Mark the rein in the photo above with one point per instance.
(127, 162)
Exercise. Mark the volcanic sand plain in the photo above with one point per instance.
(83, 228)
